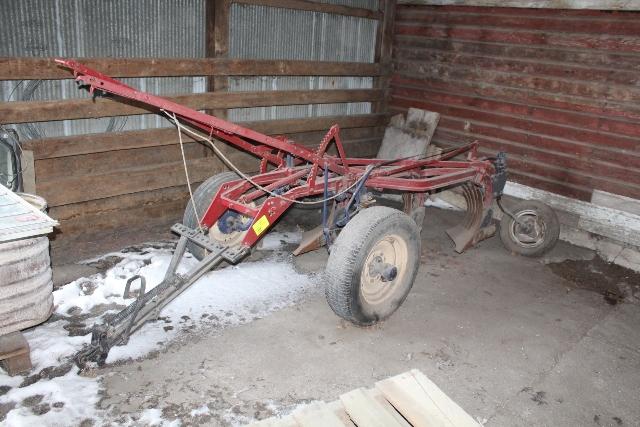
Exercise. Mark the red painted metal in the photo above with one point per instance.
(304, 177)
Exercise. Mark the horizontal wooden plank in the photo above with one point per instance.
(316, 7)
(42, 111)
(543, 39)
(533, 65)
(627, 95)
(163, 205)
(96, 143)
(565, 129)
(358, 142)
(82, 188)
(609, 60)
(541, 8)
(17, 68)
(548, 22)
(75, 189)
(623, 159)
(568, 173)
(89, 164)
(625, 117)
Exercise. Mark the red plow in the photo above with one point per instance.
(374, 250)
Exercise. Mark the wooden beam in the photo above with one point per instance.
(535, 4)
(47, 148)
(315, 7)
(15, 68)
(75, 189)
(383, 52)
(42, 111)
(222, 11)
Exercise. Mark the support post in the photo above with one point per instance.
(383, 52)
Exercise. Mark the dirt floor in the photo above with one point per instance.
(515, 341)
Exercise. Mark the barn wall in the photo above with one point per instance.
(559, 90)
(107, 168)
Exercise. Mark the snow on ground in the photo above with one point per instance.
(55, 394)
(277, 240)
(439, 203)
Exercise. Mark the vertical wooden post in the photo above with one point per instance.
(217, 46)
(383, 52)
(217, 42)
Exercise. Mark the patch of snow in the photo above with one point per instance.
(203, 410)
(221, 298)
(230, 296)
(437, 202)
(152, 417)
(71, 399)
(50, 344)
(277, 240)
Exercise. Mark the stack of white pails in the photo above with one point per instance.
(26, 285)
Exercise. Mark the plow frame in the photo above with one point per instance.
(299, 171)
(289, 173)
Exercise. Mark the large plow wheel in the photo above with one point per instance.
(202, 198)
(477, 224)
(372, 265)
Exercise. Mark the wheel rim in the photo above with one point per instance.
(229, 239)
(529, 230)
(390, 251)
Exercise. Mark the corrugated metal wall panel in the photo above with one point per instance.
(558, 90)
(93, 28)
(261, 32)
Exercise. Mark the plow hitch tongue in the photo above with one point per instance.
(477, 223)
(147, 306)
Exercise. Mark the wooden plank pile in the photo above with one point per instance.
(406, 400)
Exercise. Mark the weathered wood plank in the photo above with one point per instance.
(89, 164)
(498, 19)
(96, 143)
(422, 403)
(489, 35)
(76, 189)
(317, 414)
(315, 7)
(18, 68)
(287, 421)
(383, 51)
(365, 411)
(41, 111)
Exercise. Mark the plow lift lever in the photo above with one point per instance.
(116, 331)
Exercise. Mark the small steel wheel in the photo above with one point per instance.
(372, 265)
(534, 231)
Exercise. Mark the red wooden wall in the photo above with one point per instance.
(558, 90)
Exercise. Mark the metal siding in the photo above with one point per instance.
(262, 32)
(558, 90)
(93, 28)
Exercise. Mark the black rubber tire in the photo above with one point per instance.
(349, 254)
(202, 197)
(545, 215)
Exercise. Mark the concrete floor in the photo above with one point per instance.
(505, 337)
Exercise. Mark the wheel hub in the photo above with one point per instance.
(384, 267)
(529, 229)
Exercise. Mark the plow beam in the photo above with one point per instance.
(116, 331)
(477, 224)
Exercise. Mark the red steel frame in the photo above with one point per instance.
(304, 176)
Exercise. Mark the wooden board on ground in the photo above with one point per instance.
(422, 403)
(406, 400)
(14, 353)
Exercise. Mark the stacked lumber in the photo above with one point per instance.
(406, 400)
